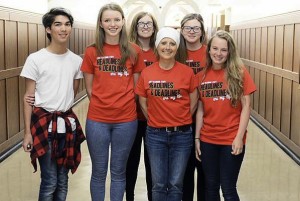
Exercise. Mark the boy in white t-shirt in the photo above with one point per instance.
(52, 131)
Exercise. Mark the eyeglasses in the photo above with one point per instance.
(144, 24)
(196, 29)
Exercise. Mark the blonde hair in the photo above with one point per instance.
(233, 67)
(127, 51)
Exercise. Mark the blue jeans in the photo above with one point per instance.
(54, 179)
(168, 154)
(221, 168)
(100, 136)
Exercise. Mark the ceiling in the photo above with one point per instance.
(167, 12)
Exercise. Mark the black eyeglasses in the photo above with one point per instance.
(144, 24)
(196, 29)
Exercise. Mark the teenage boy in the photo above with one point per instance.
(52, 131)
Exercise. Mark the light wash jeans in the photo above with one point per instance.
(101, 136)
(54, 179)
(168, 154)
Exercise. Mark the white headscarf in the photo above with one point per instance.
(167, 32)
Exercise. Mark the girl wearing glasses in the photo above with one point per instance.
(192, 53)
(111, 66)
(142, 32)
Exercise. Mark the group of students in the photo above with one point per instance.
(188, 101)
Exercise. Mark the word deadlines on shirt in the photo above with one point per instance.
(214, 90)
(112, 65)
(195, 65)
(164, 89)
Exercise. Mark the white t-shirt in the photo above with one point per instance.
(54, 75)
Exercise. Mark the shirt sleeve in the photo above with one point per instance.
(249, 85)
(140, 87)
(198, 79)
(30, 69)
(79, 73)
(139, 64)
(87, 63)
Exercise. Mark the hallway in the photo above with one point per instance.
(267, 173)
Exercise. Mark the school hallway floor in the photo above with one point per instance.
(267, 173)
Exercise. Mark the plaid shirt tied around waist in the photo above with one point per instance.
(70, 156)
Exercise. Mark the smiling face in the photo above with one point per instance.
(60, 29)
(167, 48)
(191, 31)
(145, 27)
(218, 52)
(112, 23)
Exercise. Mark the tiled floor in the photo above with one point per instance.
(267, 173)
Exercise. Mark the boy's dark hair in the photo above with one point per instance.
(49, 17)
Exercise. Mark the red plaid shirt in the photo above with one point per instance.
(40, 120)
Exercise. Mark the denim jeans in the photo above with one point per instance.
(134, 161)
(168, 154)
(100, 136)
(54, 179)
(221, 168)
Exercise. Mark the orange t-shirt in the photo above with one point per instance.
(149, 58)
(220, 119)
(168, 94)
(113, 98)
(196, 59)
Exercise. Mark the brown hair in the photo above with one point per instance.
(181, 55)
(133, 32)
(127, 51)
